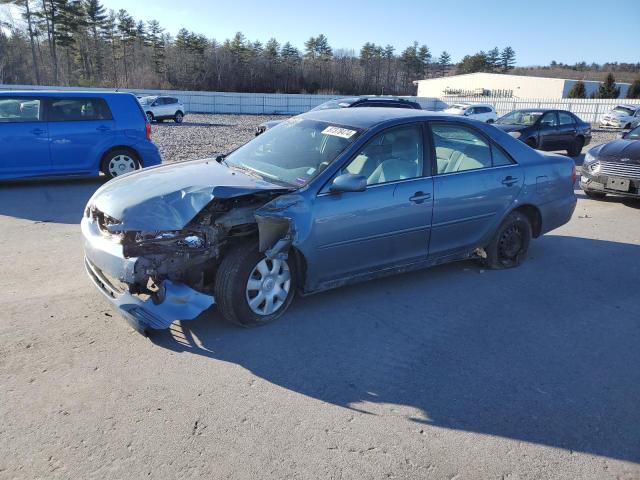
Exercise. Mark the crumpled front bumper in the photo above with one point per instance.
(104, 261)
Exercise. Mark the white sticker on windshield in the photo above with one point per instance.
(339, 132)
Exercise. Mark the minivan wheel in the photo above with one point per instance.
(150, 117)
(119, 162)
(509, 246)
(178, 117)
(576, 147)
(251, 289)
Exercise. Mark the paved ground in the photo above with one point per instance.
(454, 372)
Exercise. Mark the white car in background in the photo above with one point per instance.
(161, 108)
(483, 112)
(622, 116)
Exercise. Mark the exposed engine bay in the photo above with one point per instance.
(191, 255)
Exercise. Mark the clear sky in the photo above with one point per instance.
(567, 31)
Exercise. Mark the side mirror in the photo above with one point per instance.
(622, 135)
(349, 182)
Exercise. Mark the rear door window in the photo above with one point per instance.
(72, 109)
(565, 118)
(20, 109)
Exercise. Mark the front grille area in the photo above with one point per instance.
(625, 170)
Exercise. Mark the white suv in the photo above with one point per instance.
(483, 112)
(622, 116)
(162, 108)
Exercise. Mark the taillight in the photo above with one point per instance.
(148, 131)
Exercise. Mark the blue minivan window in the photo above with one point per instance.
(78, 109)
(16, 109)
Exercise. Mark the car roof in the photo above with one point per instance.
(58, 93)
(370, 117)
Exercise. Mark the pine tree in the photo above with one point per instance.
(28, 15)
(444, 61)
(96, 18)
(157, 44)
(608, 88)
(507, 58)
(493, 59)
(577, 91)
(634, 89)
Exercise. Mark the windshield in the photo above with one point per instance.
(294, 151)
(333, 104)
(520, 117)
(633, 134)
(623, 110)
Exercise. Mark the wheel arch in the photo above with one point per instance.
(533, 215)
(129, 148)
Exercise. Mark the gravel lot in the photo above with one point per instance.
(453, 372)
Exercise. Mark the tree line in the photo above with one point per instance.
(81, 43)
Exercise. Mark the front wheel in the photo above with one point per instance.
(119, 162)
(252, 290)
(150, 117)
(178, 117)
(509, 246)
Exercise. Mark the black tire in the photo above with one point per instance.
(107, 165)
(576, 147)
(595, 195)
(179, 116)
(509, 246)
(150, 117)
(231, 292)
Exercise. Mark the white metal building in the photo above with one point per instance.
(500, 85)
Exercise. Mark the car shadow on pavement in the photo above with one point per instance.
(55, 201)
(545, 353)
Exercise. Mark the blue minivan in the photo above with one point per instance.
(48, 133)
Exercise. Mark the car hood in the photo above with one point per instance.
(510, 128)
(168, 197)
(618, 150)
(617, 115)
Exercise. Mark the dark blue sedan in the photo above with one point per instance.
(547, 129)
(322, 200)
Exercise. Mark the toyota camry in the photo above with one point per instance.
(325, 199)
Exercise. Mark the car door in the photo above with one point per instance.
(567, 130)
(475, 183)
(79, 128)
(548, 136)
(24, 138)
(385, 225)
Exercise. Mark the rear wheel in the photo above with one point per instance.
(150, 117)
(509, 246)
(595, 195)
(178, 117)
(118, 162)
(576, 147)
(253, 290)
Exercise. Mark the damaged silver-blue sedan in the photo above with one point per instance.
(322, 200)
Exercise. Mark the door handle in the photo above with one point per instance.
(419, 197)
(103, 128)
(509, 181)
(38, 131)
